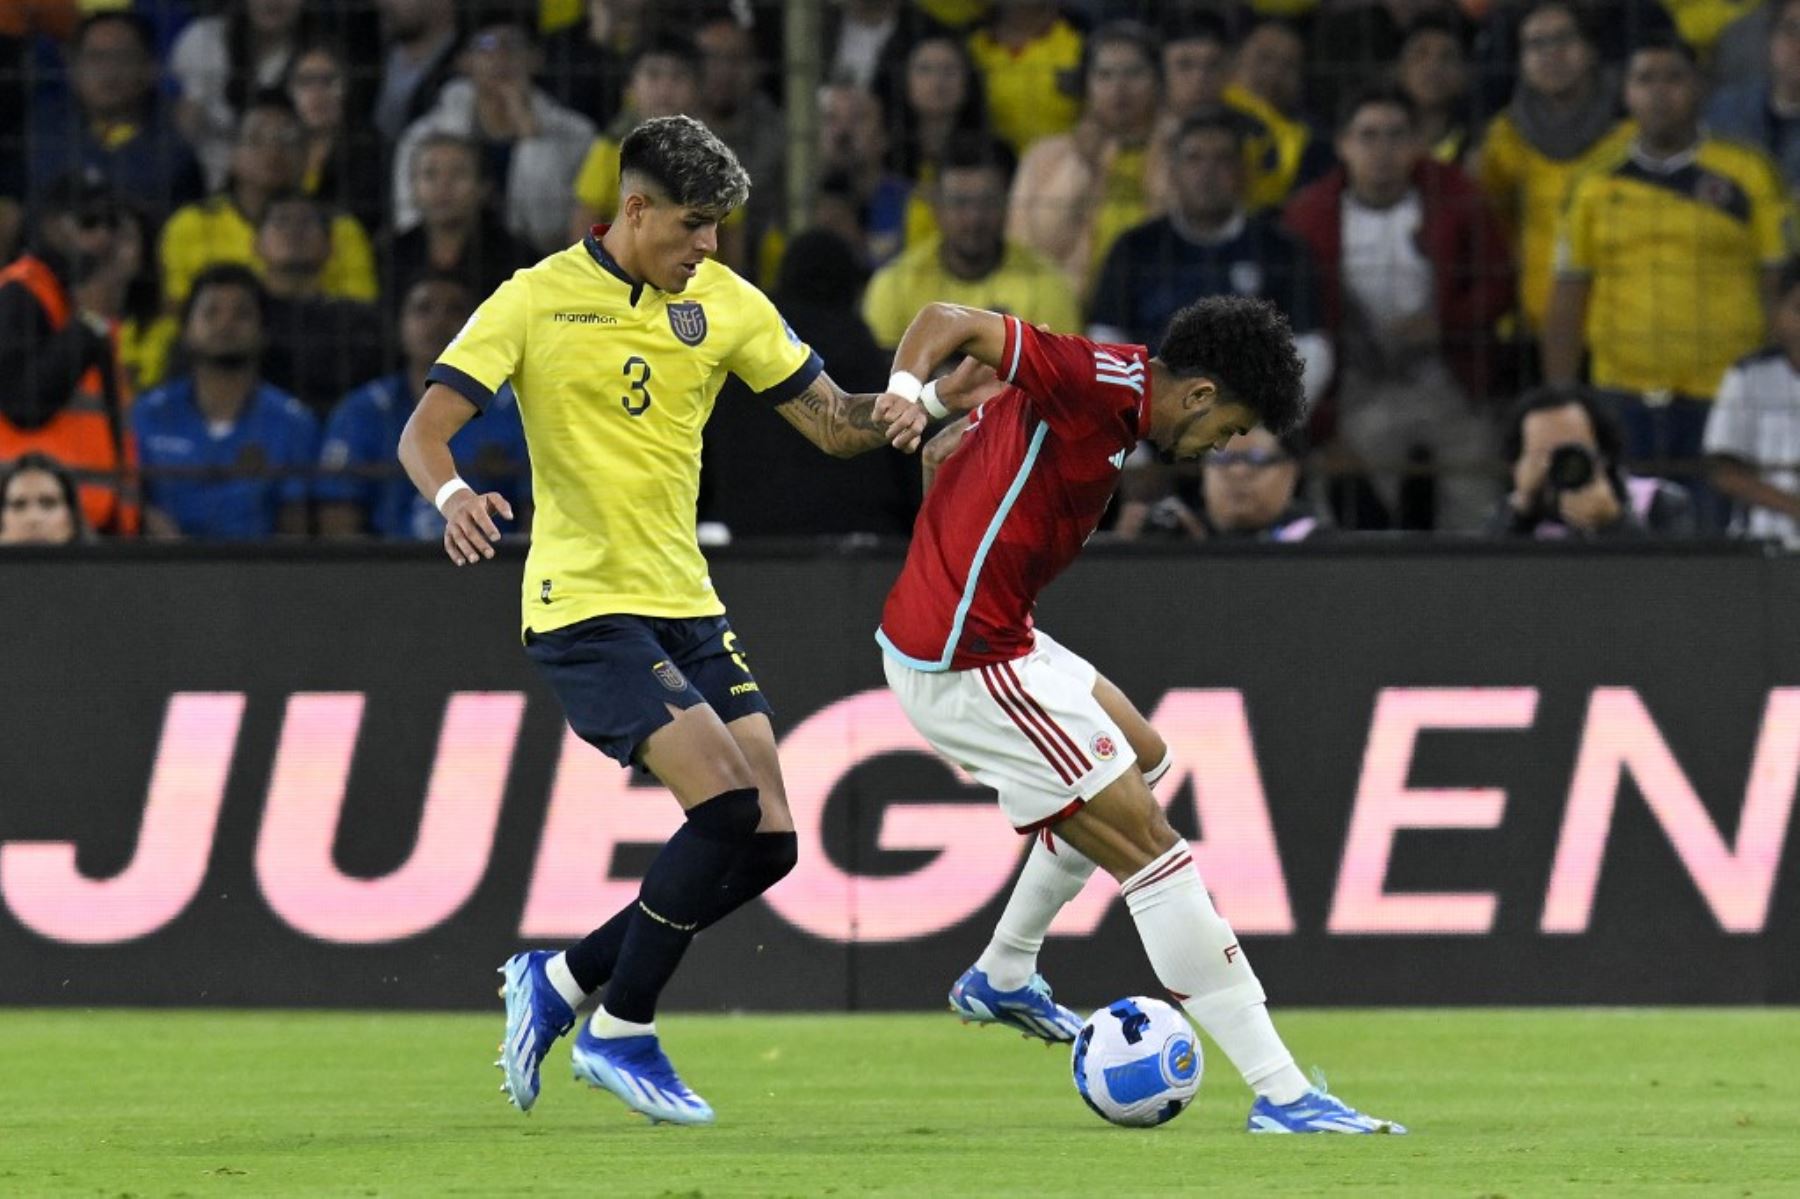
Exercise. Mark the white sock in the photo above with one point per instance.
(1196, 956)
(603, 1025)
(1054, 874)
(557, 971)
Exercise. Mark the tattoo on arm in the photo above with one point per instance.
(839, 423)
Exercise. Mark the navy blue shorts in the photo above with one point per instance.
(617, 676)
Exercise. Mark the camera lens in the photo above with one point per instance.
(1571, 467)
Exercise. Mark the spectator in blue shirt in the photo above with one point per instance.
(362, 489)
(113, 122)
(225, 455)
(1207, 245)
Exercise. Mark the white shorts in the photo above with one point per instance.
(1030, 728)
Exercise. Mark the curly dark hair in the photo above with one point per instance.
(1246, 347)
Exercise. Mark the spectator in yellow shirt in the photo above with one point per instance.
(971, 262)
(1029, 56)
(1667, 267)
(1076, 192)
(267, 160)
(1563, 119)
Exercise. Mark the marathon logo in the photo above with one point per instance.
(584, 318)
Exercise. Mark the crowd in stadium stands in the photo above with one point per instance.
(1537, 254)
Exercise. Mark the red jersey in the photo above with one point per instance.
(1016, 502)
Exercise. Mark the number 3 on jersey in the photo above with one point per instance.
(637, 376)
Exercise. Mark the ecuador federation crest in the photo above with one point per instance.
(688, 320)
(669, 675)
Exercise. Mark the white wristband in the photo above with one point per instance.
(905, 384)
(449, 489)
(934, 407)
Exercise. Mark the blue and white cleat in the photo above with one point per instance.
(1316, 1111)
(637, 1071)
(535, 1016)
(1029, 1009)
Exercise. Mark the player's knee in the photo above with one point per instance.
(729, 816)
(1155, 760)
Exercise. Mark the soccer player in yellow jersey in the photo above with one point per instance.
(616, 349)
(1667, 260)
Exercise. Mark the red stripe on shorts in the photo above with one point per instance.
(1006, 706)
(1066, 739)
(1022, 703)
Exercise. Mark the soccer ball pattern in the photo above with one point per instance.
(1137, 1062)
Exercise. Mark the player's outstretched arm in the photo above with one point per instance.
(469, 528)
(845, 425)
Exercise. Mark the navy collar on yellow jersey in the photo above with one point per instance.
(608, 263)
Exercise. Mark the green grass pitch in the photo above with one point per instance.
(1501, 1103)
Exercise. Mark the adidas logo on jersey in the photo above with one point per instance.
(1117, 460)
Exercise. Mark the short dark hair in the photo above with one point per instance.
(688, 162)
(281, 199)
(1286, 25)
(1197, 25)
(225, 274)
(1584, 25)
(1246, 347)
(440, 275)
(1217, 121)
(1436, 22)
(136, 22)
(1120, 33)
(968, 150)
(1666, 42)
(1371, 95)
(669, 45)
(437, 138)
(1607, 435)
(269, 97)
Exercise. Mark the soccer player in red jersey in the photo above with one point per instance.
(1040, 453)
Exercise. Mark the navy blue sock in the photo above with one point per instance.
(765, 861)
(678, 893)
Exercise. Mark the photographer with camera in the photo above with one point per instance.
(1563, 448)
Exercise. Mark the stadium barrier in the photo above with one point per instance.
(1450, 775)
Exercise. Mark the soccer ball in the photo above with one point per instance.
(1137, 1062)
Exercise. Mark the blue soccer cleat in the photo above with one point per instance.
(535, 1016)
(1316, 1111)
(637, 1071)
(1028, 1009)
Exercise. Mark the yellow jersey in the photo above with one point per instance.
(1030, 91)
(615, 381)
(1528, 189)
(1675, 252)
(1024, 285)
(1274, 148)
(214, 230)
